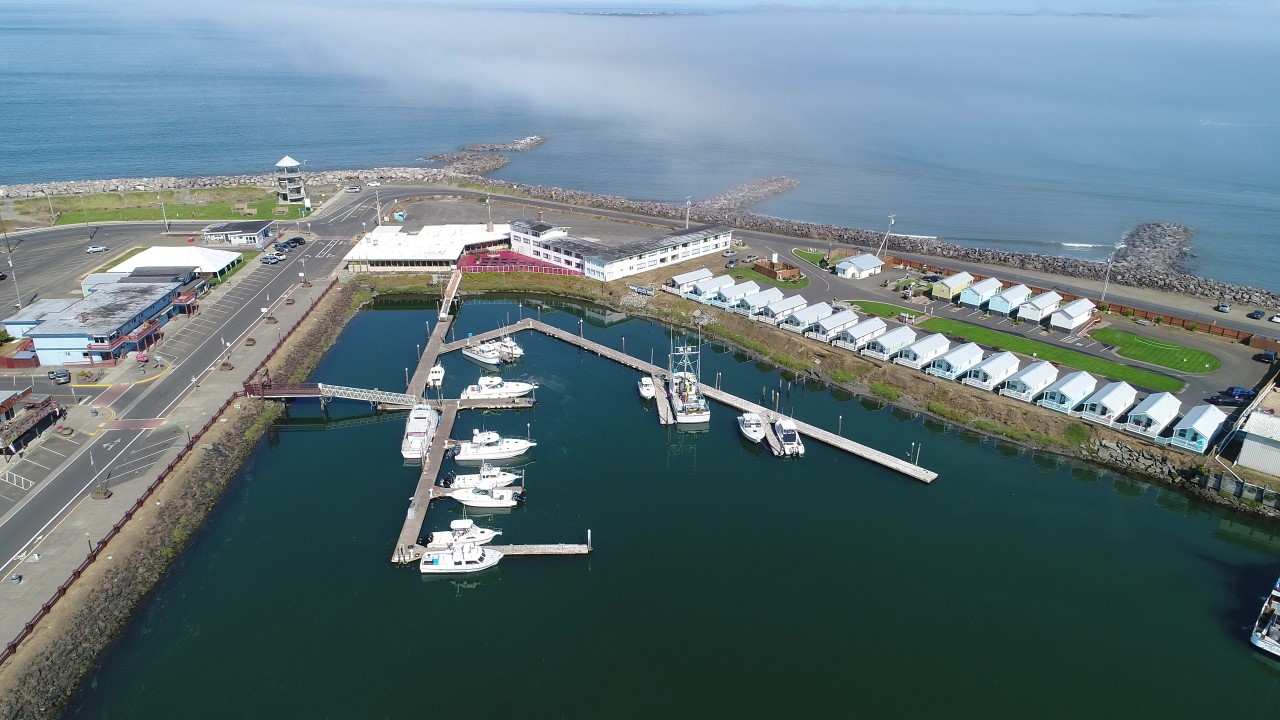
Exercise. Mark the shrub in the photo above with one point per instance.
(887, 392)
(1191, 326)
(1128, 312)
(1105, 307)
(1158, 319)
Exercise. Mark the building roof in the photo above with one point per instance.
(1161, 407)
(787, 303)
(103, 311)
(1116, 396)
(434, 242)
(243, 227)
(863, 262)
(1263, 425)
(1204, 419)
(1076, 308)
(958, 279)
(287, 161)
(811, 313)
(999, 364)
(741, 290)
(598, 250)
(929, 343)
(38, 310)
(1015, 295)
(1044, 301)
(535, 227)
(1038, 374)
(764, 297)
(711, 284)
(686, 278)
(985, 287)
(835, 321)
(962, 355)
(898, 337)
(204, 260)
(1074, 385)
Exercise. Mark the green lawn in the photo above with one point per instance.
(813, 257)
(743, 273)
(1052, 353)
(884, 310)
(1174, 357)
(204, 211)
(201, 204)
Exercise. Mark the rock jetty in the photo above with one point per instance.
(469, 163)
(522, 145)
(748, 194)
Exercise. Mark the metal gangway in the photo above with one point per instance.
(381, 398)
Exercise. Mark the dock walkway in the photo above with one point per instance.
(426, 490)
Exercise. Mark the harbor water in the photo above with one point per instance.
(723, 581)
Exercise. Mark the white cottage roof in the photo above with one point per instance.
(999, 364)
(1037, 374)
(837, 320)
(787, 303)
(959, 278)
(710, 285)
(1075, 385)
(1160, 407)
(1204, 419)
(691, 276)
(929, 343)
(868, 326)
(1116, 396)
(983, 287)
(863, 262)
(764, 297)
(1015, 295)
(1076, 308)
(1044, 300)
(962, 355)
(811, 314)
(898, 337)
(741, 290)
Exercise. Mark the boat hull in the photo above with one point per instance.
(448, 562)
(510, 448)
(753, 433)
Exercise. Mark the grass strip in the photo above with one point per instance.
(743, 274)
(884, 310)
(1157, 352)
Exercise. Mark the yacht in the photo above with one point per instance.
(488, 497)
(419, 431)
(488, 352)
(491, 387)
(460, 558)
(510, 347)
(489, 445)
(1266, 631)
(489, 476)
(435, 377)
(751, 425)
(463, 531)
(647, 390)
(686, 398)
(788, 437)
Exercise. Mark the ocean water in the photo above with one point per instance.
(1048, 133)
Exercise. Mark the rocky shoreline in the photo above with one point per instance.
(524, 144)
(469, 163)
(748, 194)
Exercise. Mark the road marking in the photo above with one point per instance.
(33, 462)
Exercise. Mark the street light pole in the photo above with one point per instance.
(84, 215)
(163, 215)
(50, 199)
(1106, 279)
(688, 206)
(884, 242)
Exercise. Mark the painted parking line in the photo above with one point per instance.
(33, 462)
(45, 448)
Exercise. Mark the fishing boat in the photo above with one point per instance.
(488, 497)
(492, 387)
(419, 431)
(788, 437)
(435, 377)
(462, 531)
(461, 558)
(686, 398)
(489, 445)
(489, 476)
(751, 425)
(1266, 631)
(647, 391)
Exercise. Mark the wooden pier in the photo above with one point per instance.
(490, 335)
(556, 549)
(666, 413)
(407, 548)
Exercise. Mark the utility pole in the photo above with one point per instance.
(50, 200)
(1107, 278)
(378, 200)
(688, 205)
(885, 241)
(9, 248)
(163, 215)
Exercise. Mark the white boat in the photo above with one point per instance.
(647, 390)
(1266, 631)
(419, 431)
(435, 377)
(491, 387)
(461, 558)
(487, 352)
(464, 531)
(489, 476)
(489, 445)
(488, 497)
(686, 398)
(510, 347)
(788, 437)
(751, 425)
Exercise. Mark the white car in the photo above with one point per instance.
(374, 183)
(1275, 318)
(96, 249)
(353, 188)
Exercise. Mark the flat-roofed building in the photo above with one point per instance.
(105, 325)
(608, 261)
(388, 248)
(245, 233)
(1029, 381)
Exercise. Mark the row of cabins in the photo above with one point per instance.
(1076, 393)
(1013, 301)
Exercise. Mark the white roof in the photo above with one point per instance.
(983, 287)
(838, 320)
(865, 261)
(1160, 407)
(433, 242)
(812, 313)
(287, 161)
(898, 337)
(1044, 300)
(870, 325)
(692, 276)
(787, 303)
(1076, 308)
(959, 278)
(1037, 374)
(1015, 295)
(999, 364)
(741, 290)
(710, 285)
(1204, 419)
(962, 355)
(929, 343)
(204, 260)
(1262, 424)
(1075, 385)
(764, 297)
(1116, 396)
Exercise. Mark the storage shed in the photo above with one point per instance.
(1195, 431)
(1029, 381)
(854, 337)
(991, 372)
(684, 281)
(949, 287)
(755, 302)
(954, 362)
(826, 329)
(1260, 443)
(775, 312)
(1068, 391)
(1107, 405)
(923, 350)
(1155, 413)
(804, 318)
(859, 266)
(1006, 302)
(1072, 315)
(977, 294)
(890, 343)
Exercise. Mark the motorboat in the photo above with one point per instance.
(788, 438)
(647, 391)
(462, 531)
(489, 445)
(1266, 631)
(510, 347)
(460, 558)
(752, 427)
(492, 387)
(489, 497)
(489, 476)
(686, 398)
(488, 352)
(419, 431)
(435, 377)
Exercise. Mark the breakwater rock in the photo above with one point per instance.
(748, 194)
(522, 145)
(469, 163)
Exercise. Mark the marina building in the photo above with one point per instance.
(954, 362)
(1107, 405)
(859, 267)
(949, 287)
(388, 248)
(886, 346)
(923, 351)
(804, 318)
(1260, 443)
(1195, 431)
(853, 338)
(1071, 316)
(776, 312)
(602, 261)
(684, 281)
(826, 329)
(1030, 380)
(102, 327)
(756, 302)
(1039, 307)
(992, 371)
(1068, 391)
(1155, 413)
(1006, 302)
(977, 294)
(248, 233)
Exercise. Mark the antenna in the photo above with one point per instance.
(885, 242)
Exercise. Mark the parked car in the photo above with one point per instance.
(1275, 318)
(931, 278)
(3, 275)
(299, 240)
(374, 183)
(353, 188)
(751, 258)
(283, 247)
(96, 249)
(278, 255)
(1228, 401)
(1223, 307)
(732, 263)
(268, 259)
(1256, 314)
(729, 253)
(1266, 356)
(1240, 392)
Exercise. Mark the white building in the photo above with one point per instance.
(859, 267)
(730, 294)
(1195, 431)
(704, 290)
(977, 294)
(757, 302)
(954, 362)
(1260, 443)
(856, 336)
(890, 343)
(1155, 413)
(826, 329)
(1107, 405)
(388, 248)
(992, 371)
(1006, 303)
(684, 281)
(804, 318)
(246, 233)
(1072, 315)
(1030, 380)
(206, 261)
(1039, 307)
(923, 351)
(776, 312)
(602, 261)
(1068, 391)
(102, 327)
